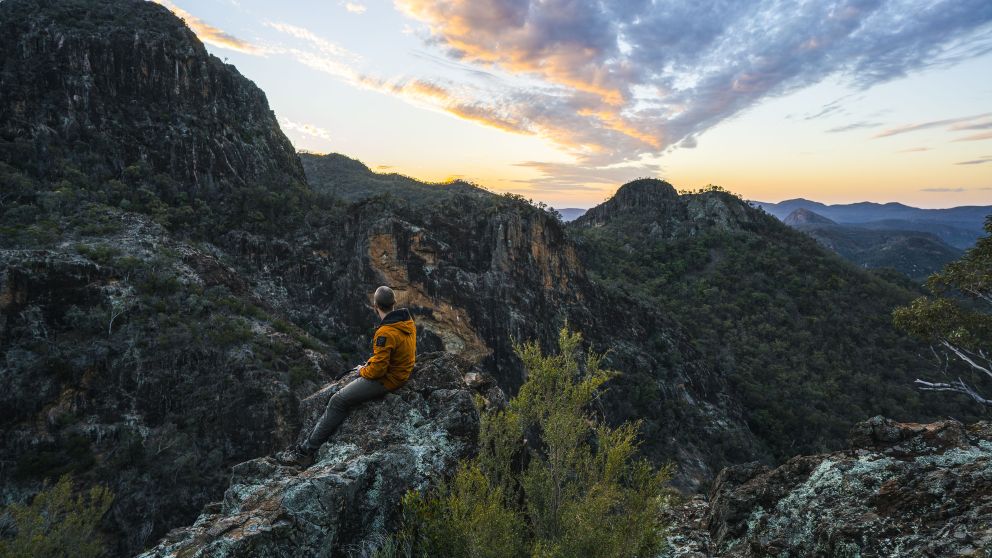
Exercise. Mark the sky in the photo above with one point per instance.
(563, 101)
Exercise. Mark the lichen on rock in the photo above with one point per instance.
(903, 489)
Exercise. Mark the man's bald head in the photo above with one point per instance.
(384, 298)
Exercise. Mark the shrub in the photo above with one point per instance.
(58, 524)
(550, 479)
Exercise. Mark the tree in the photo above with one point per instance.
(57, 524)
(550, 479)
(957, 321)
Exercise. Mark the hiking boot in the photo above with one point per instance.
(295, 457)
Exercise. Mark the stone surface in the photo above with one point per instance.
(902, 489)
(349, 499)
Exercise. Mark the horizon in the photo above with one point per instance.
(840, 102)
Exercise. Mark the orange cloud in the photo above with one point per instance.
(461, 25)
(616, 122)
(209, 34)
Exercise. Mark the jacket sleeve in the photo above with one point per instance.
(382, 349)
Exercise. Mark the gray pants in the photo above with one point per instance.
(357, 391)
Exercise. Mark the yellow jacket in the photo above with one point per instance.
(394, 350)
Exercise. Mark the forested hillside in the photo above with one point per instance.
(805, 338)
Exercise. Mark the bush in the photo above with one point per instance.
(57, 524)
(550, 480)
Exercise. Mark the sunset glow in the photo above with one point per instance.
(837, 101)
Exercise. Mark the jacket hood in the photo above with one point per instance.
(400, 320)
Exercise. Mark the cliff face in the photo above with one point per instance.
(103, 85)
(902, 489)
(133, 356)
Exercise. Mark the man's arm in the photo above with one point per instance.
(382, 349)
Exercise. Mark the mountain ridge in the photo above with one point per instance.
(957, 226)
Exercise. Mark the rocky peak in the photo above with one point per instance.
(646, 195)
(348, 501)
(803, 216)
(653, 208)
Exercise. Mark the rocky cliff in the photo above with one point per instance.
(134, 351)
(348, 501)
(104, 85)
(901, 489)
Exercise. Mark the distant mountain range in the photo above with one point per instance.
(572, 213)
(957, 226)
(915, 254)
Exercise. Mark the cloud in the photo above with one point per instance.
(951, 122)
(355, 8)
(976, 137)
(446, 63)
(981, 125)
(979, 161)
(618, 80)
(325, 56)
(914, 149)
(212, 35)
(955, 190)
(307, 129)
(323, 45)
(854, 126)
(572, 177)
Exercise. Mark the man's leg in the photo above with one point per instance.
(355, 392)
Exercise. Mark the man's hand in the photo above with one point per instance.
(346, 372)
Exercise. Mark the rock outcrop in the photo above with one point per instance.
(348, 501)
(106, 84)
(653, 207)
(902, 489)
(805, 217)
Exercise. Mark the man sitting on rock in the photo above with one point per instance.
(394, 348)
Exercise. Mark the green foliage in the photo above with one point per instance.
(957, 317)
(550, 480)
(58, 524)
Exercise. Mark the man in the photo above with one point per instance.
(394, 349)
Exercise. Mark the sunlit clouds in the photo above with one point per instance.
(355, 8)
(308, 129)
(209, 34)
(703, 62)
(573, 97)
